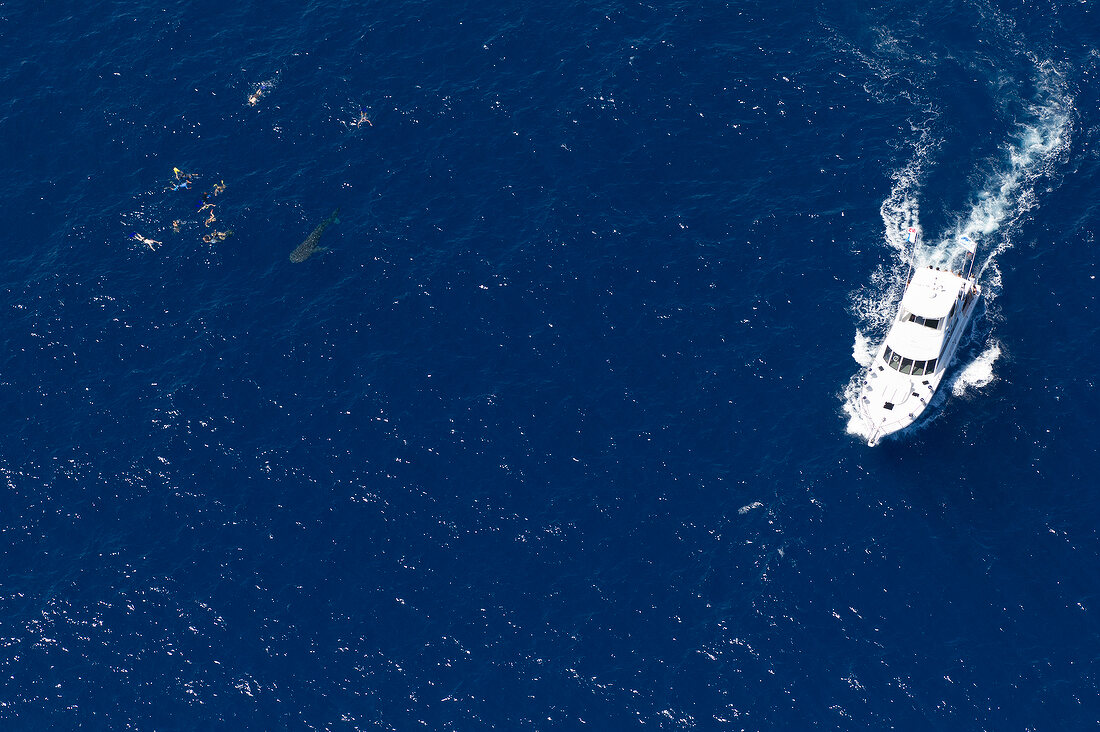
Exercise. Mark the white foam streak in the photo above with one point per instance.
(1008, 193)
(978, 373)
(863, 354)
(863, 350)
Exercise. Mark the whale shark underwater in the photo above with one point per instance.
(307, 248)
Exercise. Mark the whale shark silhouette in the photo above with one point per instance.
(307, 248)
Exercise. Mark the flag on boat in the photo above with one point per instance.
(971, 247)
(911, 236)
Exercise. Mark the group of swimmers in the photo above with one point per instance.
(185, 181)
(213, 236)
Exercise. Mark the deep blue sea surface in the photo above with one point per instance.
(556, 432)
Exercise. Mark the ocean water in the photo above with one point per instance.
(557, 431)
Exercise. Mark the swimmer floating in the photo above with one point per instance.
(183, 180)
(263, 88)
(217, 236)
(145, 240)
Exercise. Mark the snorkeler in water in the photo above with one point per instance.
(204, 206)
(145, 240)
(183, 180)
(176, 226)
(363, 120)
(218, 188)
(255, 97)
(217, 236)
(211, 219)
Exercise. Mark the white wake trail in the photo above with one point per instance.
(1040, 143)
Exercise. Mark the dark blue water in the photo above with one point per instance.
(555, 433)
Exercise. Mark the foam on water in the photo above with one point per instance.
(863, 350)
(978, 373)
(1008, 193)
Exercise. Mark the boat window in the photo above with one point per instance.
(907, 365)
(933, 323)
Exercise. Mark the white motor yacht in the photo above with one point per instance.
(933, 315)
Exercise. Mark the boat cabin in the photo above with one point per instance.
(927, 309)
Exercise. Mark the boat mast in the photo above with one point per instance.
(911, 238)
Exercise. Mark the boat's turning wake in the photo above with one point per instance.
(1009, 191)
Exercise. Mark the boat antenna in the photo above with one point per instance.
(911, 238)
(971, 249)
